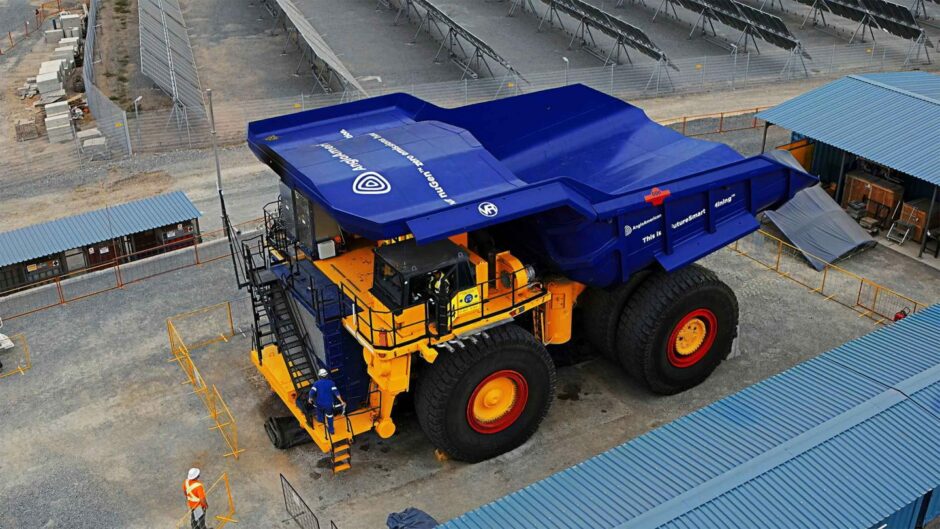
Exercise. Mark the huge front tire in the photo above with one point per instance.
(485, 399)
(676, 328)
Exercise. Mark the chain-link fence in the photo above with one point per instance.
(721, 72)
(110, 119)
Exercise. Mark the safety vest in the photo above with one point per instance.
(440, 285)
(195, 493)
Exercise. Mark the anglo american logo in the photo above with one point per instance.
(371, 183)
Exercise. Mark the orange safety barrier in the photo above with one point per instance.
(834, 283)
(42, 13)
(218, 410)
(18, 356)
(725, 123)
(123, 270)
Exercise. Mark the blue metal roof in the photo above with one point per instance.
(40, 240)
(843, 441)
(890, 118)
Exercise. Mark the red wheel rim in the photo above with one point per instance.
(488, 411)
(674, 353)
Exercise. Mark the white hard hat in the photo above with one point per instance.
(193, 473)
(322, 373)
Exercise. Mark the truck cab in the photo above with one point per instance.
(407, 275)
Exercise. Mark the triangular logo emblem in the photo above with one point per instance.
(371, 183)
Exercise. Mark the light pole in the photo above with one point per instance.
(137, 117)
(566, 69)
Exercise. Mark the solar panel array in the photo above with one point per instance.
(611, 26)
(166, 56)
(893, 18)
(473, 40)
(771, 28)
(318, 47)
(744, 18)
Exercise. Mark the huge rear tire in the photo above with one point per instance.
(488, 398)
(676, 328)
(600, 314)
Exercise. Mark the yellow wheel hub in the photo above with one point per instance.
(494, 399)
(691, 336)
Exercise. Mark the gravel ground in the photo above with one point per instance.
(126, 416)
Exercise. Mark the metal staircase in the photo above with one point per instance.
(274, 320)
(291, 339)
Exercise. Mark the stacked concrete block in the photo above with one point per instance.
(96, 148)
(48, 83)
(28, 89)
(74, 42)
(67, 54)
(57, 109)
(69, 21)
(57, 66)
(53, 36)
(57, 120)
(88, 134)
(59, 129)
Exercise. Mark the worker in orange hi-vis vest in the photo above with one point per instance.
(196, 499)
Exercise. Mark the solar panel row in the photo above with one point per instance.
(610, 25)
(744, 18)
(893, 18)
(434, 12)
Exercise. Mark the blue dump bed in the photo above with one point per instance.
(586, 183)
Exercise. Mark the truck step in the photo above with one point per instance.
(342, 467)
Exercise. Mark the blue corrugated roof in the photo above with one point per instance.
(843, 440)
(890, 118)
(55, 236)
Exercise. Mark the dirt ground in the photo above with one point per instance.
(113, 452)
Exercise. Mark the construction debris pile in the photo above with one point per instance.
(60, 108)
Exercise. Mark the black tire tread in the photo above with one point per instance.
(439, 378)
(600, 316)
(643, 311)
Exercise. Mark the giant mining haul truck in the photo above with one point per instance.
(439, 251)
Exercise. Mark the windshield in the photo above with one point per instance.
(388, 284)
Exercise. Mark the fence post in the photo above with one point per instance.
(832, 57)
(117, 273)
(747, 68)
(734, 67)
(704, 65)
(779, 254)
(127, 134)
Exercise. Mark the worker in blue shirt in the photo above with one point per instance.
(323, 397)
